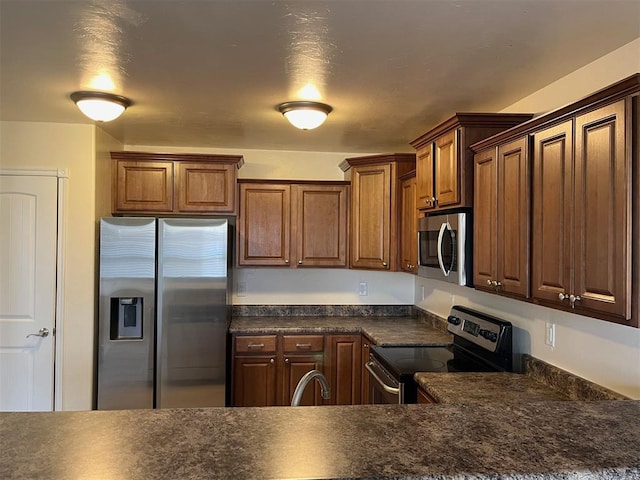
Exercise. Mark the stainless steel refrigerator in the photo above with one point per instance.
(163, 313)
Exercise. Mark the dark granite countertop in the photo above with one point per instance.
(548, 440)
(493, 387)
(382, 330)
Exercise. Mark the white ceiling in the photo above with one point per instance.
(209, 73)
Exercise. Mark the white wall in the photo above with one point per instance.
(49, 145)
(603, 352)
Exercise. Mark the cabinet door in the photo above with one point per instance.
(408, 226)
(484, 220)
(254, 381)
(446, 170)
(513, 218)
(264, 220)
(370, 221)
(343, 357)
(319, 226)
(295, 367)
(143, 186)
(602, 257)
(205, 187)
(424, 177)
(552, 205)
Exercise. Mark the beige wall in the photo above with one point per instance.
(49, 145)
(615, 66)
(600, 351)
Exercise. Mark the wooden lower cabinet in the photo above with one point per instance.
(343, 356)
(295, 367)
(267, 368)
(254, 381)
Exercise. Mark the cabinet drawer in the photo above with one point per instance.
(256, 344)
(303, 343)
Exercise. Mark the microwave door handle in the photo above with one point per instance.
(443, 227)
(387, 388)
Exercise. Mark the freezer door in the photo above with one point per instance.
(126, 313)
(192, 312)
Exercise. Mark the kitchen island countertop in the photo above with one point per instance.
(385, 331)
(545, 440)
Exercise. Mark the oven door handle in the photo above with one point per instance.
(387, 388)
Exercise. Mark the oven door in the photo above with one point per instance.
(383, 388)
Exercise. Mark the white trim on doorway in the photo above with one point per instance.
(62, 174)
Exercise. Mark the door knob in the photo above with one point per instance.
(43, 332)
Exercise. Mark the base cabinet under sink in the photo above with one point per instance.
(267, 368)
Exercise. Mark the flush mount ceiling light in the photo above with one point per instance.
(305, 115)
(100, 106)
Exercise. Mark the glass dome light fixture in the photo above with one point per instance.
(305, 115)
(100, 106)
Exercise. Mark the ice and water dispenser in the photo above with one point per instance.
(126, 318)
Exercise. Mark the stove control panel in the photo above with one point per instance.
(483, 330)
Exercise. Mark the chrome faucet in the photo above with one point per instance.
(325, 391)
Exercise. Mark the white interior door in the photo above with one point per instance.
(28, 226)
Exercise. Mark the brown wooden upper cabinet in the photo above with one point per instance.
(501, 251)
(375, 202)
(568, 177)
(582, 213)
(155, 183)
(302, 224)
(408, 224)
(444, 166)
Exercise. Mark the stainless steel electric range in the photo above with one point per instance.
(481, 343)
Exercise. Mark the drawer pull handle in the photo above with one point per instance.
(256, 346)
(303, 346)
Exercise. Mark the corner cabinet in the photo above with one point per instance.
(375, 201)
(444, 165)
(156, 183)
(556, 219)
(303, 224)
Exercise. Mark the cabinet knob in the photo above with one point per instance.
(286, 360)
(384, 264)
(434, 200)
(573, 299)
(286, 261)
(299, 262)
(489, 282)
(272, 361)
(562, 296)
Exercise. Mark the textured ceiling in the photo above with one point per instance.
(210, 73)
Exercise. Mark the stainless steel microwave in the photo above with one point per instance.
(445, 247)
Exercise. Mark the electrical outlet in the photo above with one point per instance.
(550, 334)
(242, 289)
(364, 289)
